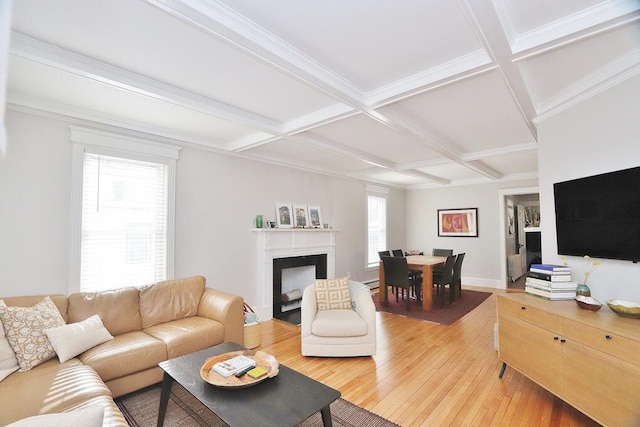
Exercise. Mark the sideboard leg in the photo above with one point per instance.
(504, 366)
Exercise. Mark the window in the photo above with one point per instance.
(376, 224)
(123, 211)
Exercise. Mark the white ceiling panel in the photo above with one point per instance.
(298, 154)
(513, 164)
(476, 114)
(411, 94)
(359, 40)
(553, 74)
(365, 134)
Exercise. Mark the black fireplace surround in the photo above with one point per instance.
(279, 264)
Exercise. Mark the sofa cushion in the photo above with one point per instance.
(338, 323)
(91, 416)
(8, 361)
(118, 309)
(125, 354)
(71, 340)
(188, 335)
(24, 328)
(333, 294)
(49, 387)
(170, 300)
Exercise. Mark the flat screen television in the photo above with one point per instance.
(599, 215)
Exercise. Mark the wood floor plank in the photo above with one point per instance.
(430, 374)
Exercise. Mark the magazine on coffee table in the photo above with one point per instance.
(234, 365)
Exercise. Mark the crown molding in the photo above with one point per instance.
(86, 117)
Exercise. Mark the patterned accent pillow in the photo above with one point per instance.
(8, 361)
(333, 294)
(24, 328)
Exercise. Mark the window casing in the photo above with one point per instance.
(376, 224)
(122, 213)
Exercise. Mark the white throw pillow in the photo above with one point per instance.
(92, 416)
(8, 361)
(71, 340)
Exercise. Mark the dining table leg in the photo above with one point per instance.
(427, 287)
(382, 288)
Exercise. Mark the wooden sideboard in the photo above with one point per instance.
(591, 360)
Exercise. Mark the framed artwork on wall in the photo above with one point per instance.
(315, 216)
(300, 216)
(284, 218)
(458, 222)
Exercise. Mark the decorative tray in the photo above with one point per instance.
(263, 360)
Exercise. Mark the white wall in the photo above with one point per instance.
(483, 263)
(218, 197)
(601, 134)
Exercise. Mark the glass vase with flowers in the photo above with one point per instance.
(582, 288)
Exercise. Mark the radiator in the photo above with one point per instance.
(515, 266)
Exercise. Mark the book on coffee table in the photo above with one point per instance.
(234, 365)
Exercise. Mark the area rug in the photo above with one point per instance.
(444, 315)
(140, 409)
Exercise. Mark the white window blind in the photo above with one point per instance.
(377, 228)
(124, 222)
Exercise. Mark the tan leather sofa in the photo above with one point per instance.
(149, 325)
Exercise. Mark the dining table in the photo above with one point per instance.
(426, 263)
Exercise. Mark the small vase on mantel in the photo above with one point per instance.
(583, 289)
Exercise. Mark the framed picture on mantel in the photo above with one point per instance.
(315, 217)
(284, 218)
(300, 216)
(458, 222)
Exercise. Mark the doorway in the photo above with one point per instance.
(520, 234)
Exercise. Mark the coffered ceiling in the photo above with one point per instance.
(411, 93)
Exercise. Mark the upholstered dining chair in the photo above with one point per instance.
(445, 278)
(396, 273)
(456, 281)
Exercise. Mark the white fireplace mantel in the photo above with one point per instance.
(275, 243)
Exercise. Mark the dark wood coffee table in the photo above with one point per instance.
(284, 400)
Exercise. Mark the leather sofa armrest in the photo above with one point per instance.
(227, 309)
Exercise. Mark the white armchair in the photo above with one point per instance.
(339, 333)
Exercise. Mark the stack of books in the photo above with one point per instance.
(550, 281)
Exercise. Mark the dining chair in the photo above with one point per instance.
(396, 274)
(413, 273)
(383, 254)
(445, 278)
(456, 281)
(440, 252)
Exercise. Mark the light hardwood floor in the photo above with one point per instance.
(426, 374)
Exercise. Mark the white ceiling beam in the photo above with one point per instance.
(83, 66)
(226, 24)
(485, 23)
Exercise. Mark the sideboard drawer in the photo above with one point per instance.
(607, 342)
(530, 314)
